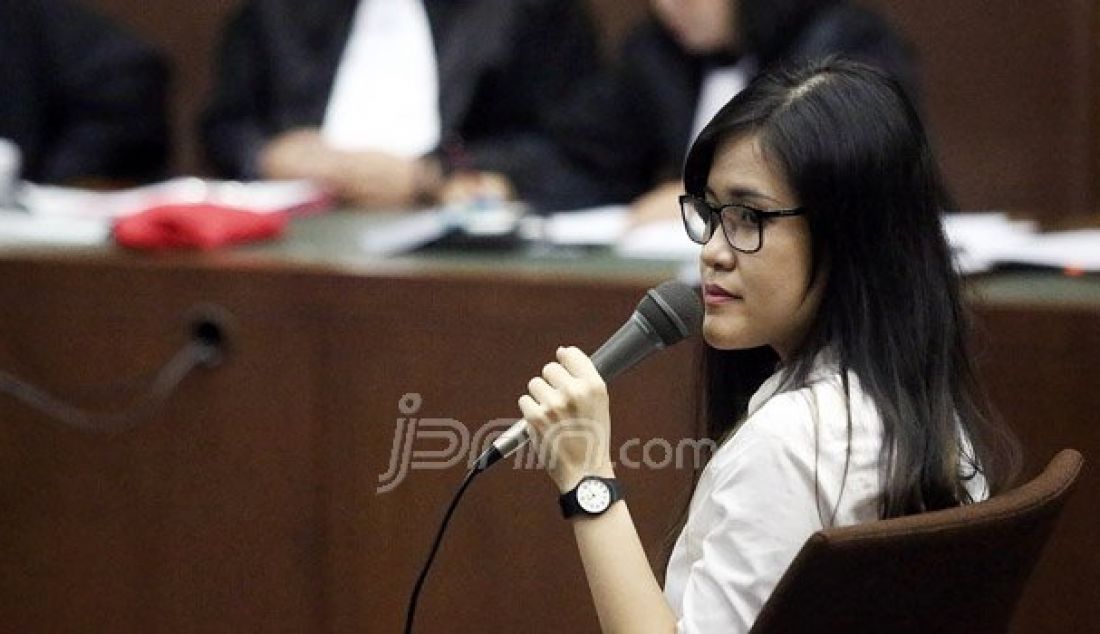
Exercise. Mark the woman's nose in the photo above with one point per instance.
(717, 252)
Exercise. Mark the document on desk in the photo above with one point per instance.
(402, 232)
(55, 215)
(980, 240)
(1076, 251)
(660, 240)
(596, 227)
(19, 227)
(984, 240)
(609, 226)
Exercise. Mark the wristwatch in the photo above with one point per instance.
(592, 496)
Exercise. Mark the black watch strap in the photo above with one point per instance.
(592, 496)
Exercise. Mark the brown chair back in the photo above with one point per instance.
(956, 570)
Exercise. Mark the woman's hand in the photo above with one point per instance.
(570, 423)
(567, 410)
(297, 153)
(661, 203)
(365, 179)
(375, 180)
(473, 187)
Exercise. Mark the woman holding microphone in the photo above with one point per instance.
(827, 277)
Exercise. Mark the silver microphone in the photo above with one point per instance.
(666, 315)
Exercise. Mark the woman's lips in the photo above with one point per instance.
(714, 294)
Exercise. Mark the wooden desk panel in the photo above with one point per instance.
(1042, 368)
(203, 519)
(467, 347)
(249, 502)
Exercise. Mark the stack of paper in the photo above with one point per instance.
(598, 226)
(1077, 251)
(402, 233)
(660, 240)
(610, 226)
(982, 241)
(19, 227)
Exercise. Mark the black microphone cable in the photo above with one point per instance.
(192, 355)
(205, 348)
(410, 615)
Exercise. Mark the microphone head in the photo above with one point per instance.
(673, 309)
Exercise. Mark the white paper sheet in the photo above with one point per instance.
(403, 232)
(598, 226)
(980, 240)
(1073, 250)
(19, 227)
(661, 240)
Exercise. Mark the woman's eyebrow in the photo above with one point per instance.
(741, 192)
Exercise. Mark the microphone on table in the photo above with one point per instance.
(666, 315)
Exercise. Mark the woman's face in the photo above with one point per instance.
(701, 26)
(766, 297)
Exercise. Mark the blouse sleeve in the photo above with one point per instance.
(759, 512)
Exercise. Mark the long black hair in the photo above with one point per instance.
(854, 151)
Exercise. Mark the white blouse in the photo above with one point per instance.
(775, 482)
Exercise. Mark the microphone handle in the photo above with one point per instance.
(632, 342)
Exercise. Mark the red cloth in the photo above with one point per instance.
(196, 226)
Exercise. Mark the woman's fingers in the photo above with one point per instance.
(578, 364)
(567, 389)
(585, 385)
(547, 397)
(556, 375)
(567, 411)
(532, 412)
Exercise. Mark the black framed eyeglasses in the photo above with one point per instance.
(742, 224)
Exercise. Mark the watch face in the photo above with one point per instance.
(593, 496)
